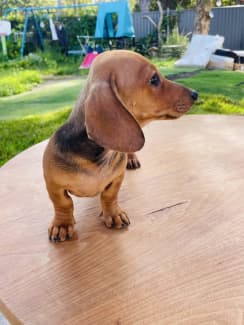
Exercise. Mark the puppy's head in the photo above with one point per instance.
(125, 91)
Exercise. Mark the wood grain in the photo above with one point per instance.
(180, 262)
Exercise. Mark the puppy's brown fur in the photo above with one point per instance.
(88, 154)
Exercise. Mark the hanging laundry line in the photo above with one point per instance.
(104, 24)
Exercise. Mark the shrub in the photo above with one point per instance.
(32, 60)
(18, 81)
(217, 104)
(13, 48)
(178, 44)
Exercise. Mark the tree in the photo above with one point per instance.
(158, 25)
(171, 4)
(203, 16)
(202, 20)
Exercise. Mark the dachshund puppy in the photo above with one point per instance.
(88, 154)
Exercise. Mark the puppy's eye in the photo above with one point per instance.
(155, 80)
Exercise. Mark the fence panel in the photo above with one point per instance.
(143, 26)
(227, 22)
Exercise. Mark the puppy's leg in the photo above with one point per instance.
(62, 226)
(133, 162)
(112, 214)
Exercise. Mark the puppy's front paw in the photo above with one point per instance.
(133, 162)
(62, 232)
(116, 220)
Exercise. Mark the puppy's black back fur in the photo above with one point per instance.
(70, 140)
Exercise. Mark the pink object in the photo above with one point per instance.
(88, 60)
(5, 28)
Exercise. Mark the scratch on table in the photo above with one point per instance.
(168, 207)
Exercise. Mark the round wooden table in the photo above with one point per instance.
(181, 261)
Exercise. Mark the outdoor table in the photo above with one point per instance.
(181, 261)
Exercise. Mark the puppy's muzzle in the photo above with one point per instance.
(183, 107)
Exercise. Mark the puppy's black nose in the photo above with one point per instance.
(194, 95)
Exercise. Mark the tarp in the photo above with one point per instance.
(104, 25)
(199, 50)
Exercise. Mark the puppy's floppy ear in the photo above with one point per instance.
(109, 123)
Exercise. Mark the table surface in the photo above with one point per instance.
(181, 261)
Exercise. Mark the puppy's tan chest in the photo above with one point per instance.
(92, 181)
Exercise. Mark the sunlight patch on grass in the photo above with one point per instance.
(18, 135)
(47, 98)
(217, 104)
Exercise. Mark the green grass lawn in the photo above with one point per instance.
(50, 97)
(226, 83)
(31, 117)
(221, 92)
(19, 134)
(166, 67)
